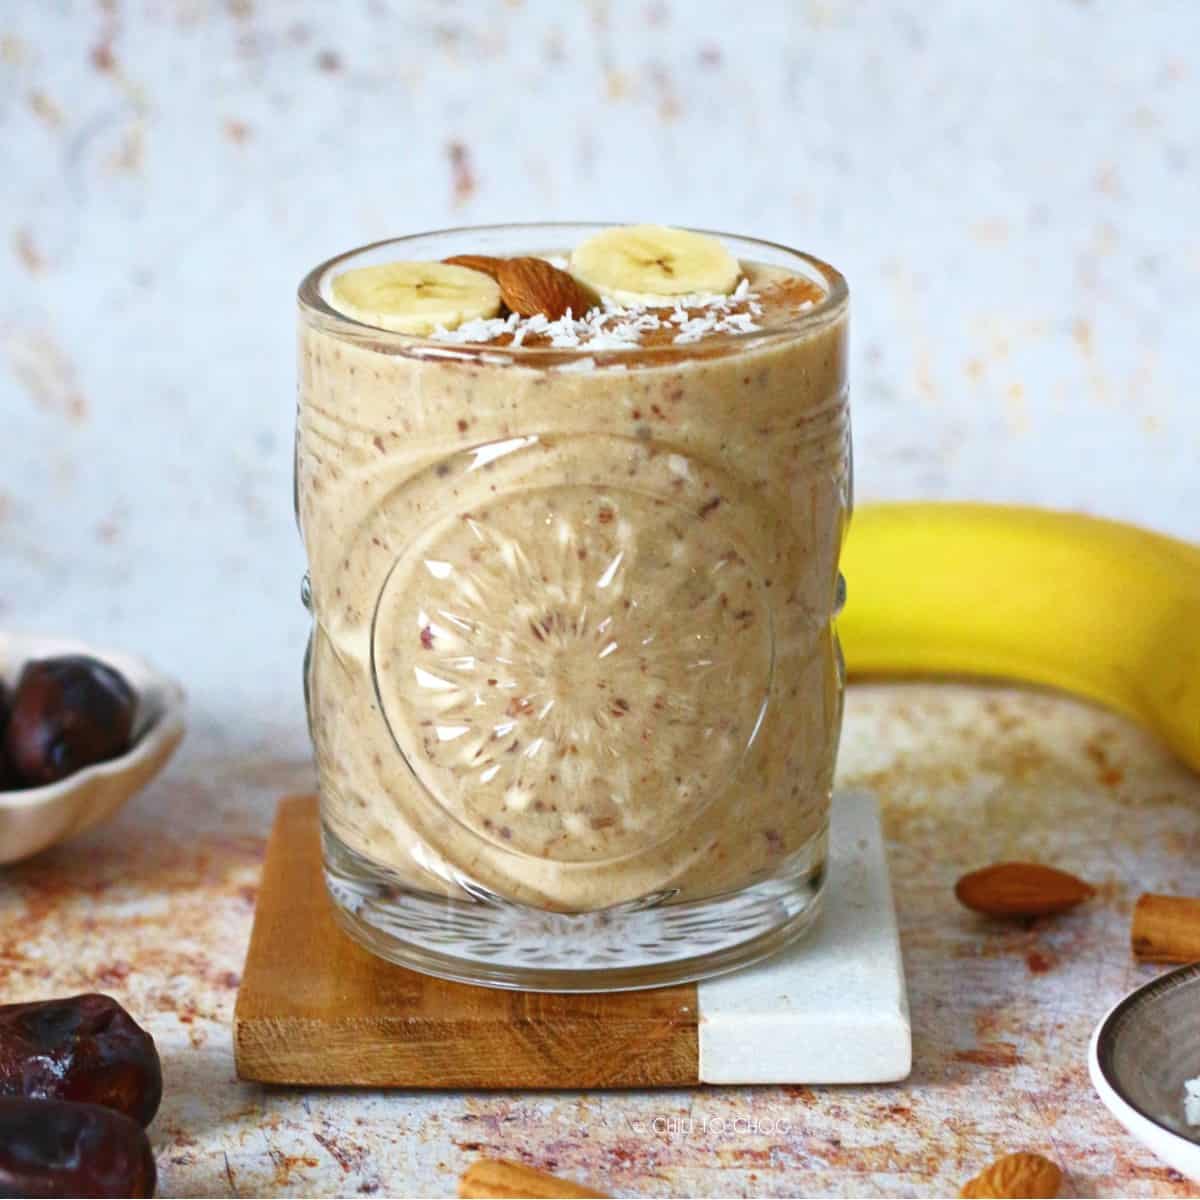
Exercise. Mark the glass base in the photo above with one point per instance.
(646, 943)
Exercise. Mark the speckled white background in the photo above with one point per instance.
(1012, 190)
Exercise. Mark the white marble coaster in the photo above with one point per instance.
(834, 1008)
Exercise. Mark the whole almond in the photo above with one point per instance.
(476, 262)
(531, 285)
(1019, 889)
(496, 1178)
(1017, 1175)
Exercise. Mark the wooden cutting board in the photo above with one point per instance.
(316, 1009)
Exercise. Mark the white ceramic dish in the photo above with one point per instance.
(35, 818)
(1140, 1056)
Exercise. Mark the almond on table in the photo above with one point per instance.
(1023, 1176)
(1020, 889)
(504, 1180)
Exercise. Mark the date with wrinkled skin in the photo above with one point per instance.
(9, 779)
(81, 1048)
(67, 713)
(51, 1148)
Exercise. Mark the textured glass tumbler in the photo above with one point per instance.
(573, 683)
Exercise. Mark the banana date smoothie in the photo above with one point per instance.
(572, 499)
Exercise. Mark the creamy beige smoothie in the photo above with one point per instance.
(573, 584)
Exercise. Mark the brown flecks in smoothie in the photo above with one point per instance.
(619, 707)
(602, 822)
(377, 442)
(462, 425)
(427, 638)
(709, 507)
(774, 841)
(659, 698)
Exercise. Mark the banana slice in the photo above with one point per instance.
(651, 264)
(415, 297)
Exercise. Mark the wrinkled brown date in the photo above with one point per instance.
(9, 780)
(51, 1148)
(84, 1048)
(67, 713)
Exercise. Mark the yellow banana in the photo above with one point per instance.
(1104, 610)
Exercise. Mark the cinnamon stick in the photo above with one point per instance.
(495, 1177)
(1166, 929)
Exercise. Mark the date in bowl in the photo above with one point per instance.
(34, 818)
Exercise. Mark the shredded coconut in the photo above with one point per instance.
(578, 364)
(616, 326)
(1191, 1101)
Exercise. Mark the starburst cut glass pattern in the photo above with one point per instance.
(574, 672)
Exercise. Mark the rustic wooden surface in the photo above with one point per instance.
(315, 1008)
(156, 909)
